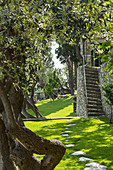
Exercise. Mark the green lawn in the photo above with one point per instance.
(91, 135)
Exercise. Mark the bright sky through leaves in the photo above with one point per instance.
(56, 61)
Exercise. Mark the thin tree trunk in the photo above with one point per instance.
(75, 68)
(62, 89)
(70, 69)
(78, 55)
(25, 113)
(32, 106)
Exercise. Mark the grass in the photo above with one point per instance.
(57, 108)
(91, 135)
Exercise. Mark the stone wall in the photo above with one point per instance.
(106, 107)
(81, 102)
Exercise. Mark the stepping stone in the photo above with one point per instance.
(65, 135)
(85, 159)
(103, 167)
(66, 128)
(67, 131)
(69, 145)
(78, 153)
(67, 140)
(94, 168)
(96, 165)
(93, 164)
(71, 124)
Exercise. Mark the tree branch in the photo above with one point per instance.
(53, 149)
(4, 148)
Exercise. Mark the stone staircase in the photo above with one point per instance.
(94, 107)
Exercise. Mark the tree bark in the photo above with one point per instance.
(8, 164)
(75, 68)
(78, 55)
(30, 102)
(70, 69)
(25, 159)
(32, 106)
(25, 113)
(52, 149)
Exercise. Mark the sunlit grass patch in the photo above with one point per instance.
(58, 108)
(94, 136)
(94, 143)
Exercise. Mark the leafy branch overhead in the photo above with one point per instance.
(23, 42)
(81, 18)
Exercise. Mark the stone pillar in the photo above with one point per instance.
(88, 54)
(85, 50)
(81, 108)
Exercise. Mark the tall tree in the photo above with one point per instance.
(80, 19)
(66, 53)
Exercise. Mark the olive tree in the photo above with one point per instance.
(23, 29)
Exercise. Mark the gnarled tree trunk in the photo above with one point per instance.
(27, 141)
(6, 162)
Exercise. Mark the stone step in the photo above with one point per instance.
(92, 69)
(95, 74)
(95, 85)
(95, 102)
(91, 75)
(93, 91)
(98, 96)
(92, 78)
(95, 105)
(94, 99)
(95, 110)
(92, 81)
(89, 72)
(95, 114)
(93, 88)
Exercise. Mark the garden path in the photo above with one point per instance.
(89, 166)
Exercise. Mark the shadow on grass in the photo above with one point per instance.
(72, 114)
(54, 106)
(52, 130)
(95, 138)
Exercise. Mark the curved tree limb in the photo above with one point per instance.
(8, 164)
(32, 106)
(53, 149)
(25, 113)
